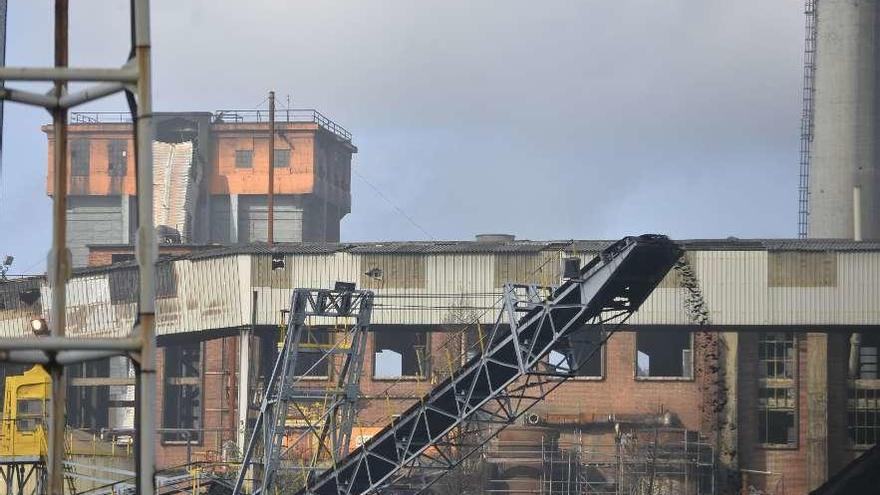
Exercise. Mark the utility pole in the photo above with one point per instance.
(59, 263)
(271, 233)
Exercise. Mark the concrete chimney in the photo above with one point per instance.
(845, 150)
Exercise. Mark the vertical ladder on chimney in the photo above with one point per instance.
(807, 117)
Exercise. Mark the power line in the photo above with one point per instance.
(397, 208)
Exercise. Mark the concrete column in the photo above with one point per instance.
(728, 438)
(817, 409)
(125, 211)
(233, 218)
(244, 364)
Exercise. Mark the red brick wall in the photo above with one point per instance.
(219, 400)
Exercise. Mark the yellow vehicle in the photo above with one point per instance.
(25, 414)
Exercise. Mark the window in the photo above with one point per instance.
(87, 402)
(282, 158)
(583, 353)
(399, 354)
(863, 415)
(120, 257)
(183, 393)
(117, 157)
(79, 157)
(314, 343)
(29, 414)
(244, 158)
(664, 354)
(777, 399)
(863, 404)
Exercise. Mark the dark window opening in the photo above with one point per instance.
(400, 354)
(117, 157)
(244, 158)
(314, 344)
(120, 257)
(664, 354)
(87, 402)
(29, 414)
(582, 355)
(777, 427)
(777, 396)
(182, 411)
(282, 158)
(866, 355)
(80, 156)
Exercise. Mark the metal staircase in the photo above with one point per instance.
(514, 372)
(305, 423)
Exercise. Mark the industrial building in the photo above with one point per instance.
(210, 176)
(752, 367)
(763, 389)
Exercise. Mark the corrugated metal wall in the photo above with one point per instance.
(204, 293)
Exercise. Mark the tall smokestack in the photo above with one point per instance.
(845, 150)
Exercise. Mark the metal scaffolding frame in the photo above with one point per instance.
(58, 350)
(323, 417)
(514, 372)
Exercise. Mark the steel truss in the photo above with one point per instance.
(513, 373)
(322, 417)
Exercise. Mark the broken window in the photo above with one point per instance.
(117, 156)
(863, 415)
(314, 343)
(244, 158)
(863, 404)
(777, 395)
(400, 354)
(583, 353)
(282, 158)
(664, 354)
(88, 395)
(79, 157)
(182, 416)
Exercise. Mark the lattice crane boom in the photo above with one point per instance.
(513, 373)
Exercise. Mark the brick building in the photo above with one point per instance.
(781, 385)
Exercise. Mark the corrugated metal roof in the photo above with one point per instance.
(518, 246)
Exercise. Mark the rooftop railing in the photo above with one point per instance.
(229, 116)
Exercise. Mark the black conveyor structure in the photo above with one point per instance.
(513, 373)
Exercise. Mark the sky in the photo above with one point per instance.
(547, 120)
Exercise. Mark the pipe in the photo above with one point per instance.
(59, 262)
(855, 344)
(271, 201)
(146, 251)
(56, 343)
(857, 213)
(63, 74)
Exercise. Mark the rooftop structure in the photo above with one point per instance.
(210, 177)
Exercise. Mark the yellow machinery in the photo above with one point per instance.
(25, 413)
(23, 430)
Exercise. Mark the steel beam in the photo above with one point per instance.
(323, 417)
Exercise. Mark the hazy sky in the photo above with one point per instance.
(582, 119)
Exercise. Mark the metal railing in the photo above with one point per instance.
(291, 115)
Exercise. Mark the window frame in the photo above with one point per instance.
(426, 374)
(278, 153)
(635, 362)
(239, 159)
(177, 381)
(80, 149)
(117, 154)
(791, 383)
